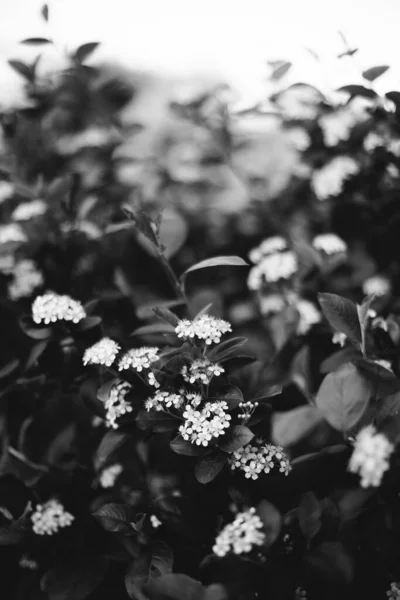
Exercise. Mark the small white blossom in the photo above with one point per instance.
(162, 400)
(254, 460)
(370, 458)
(103, 352)
(6, 190)
(271, 304)
(339, 338)
(329, 180)
(205, 327)
(52, 307)
(378, 285)
(26, 279)
(12, 233)
(155, 521)
(48, 518)
(330, 243)
(151, 380)
(202, 425)
(240, 536)
(28, 210)
(109, 475)
(201, 370)
(272, 268)
(270, 245)
(308, 316)
(116, 405)
(394, 592)
(28, 563)
(139, 358)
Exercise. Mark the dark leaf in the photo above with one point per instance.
(10, 537)
(36, 41)
(342, 316)
(309, 515)
(338, 359)
(111, 442)
(358, 90)
(61, 445)
(208, 468)
(291, 427)
(37, 332)
(218, 261)
(237, 437)
(153, 329)
(174, 587)
(21, 68)
(166, 315)
(351, 503)
(343, 397)
(280, 71)
(76, 580)
(226, 348)
(374, 72)
(45, 12)
(181, 446)
(158, 421)
(272, 521)
(84, 51)
(156, 562)
(331, 563)
(232, 396)
(115, 517)
(387, 407)
(89, 323)
(9, 368)
(36, 353)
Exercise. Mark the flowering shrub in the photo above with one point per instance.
(225, 433)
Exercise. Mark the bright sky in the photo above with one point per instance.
(233, 38)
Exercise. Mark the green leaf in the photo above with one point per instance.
(358, 90)
(153, 329)
(387, 407)
(75, 580)
(291, 427)
(331, 563)
(343, 397)
(237, 437)
(352, 503)
(280, 71)
(383, 382)
(84, 51)
(166, 315)
(339, 358)
(21, 68)
(103, 393)
(45, 12)
(342, 315)
(309, 515)
(9, 368)
(374, 72)
(34, 331)
(158, 421)
(115, 517)
(35, 353)
(272, 521)
(89, 323)
(36, 41)
(181, 446)
(226, 348)
(61, 445)
(208, 468)
(156, 562)
(175, 586)
(111, 442)
(218, 261)
(232, 396)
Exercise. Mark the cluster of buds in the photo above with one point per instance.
(103, 352)
(116, 405)
(394, 592)
(247, 409)
(202, 371)
(201, 426)
(240, 536)
(52, 307)
(255, 460)
(48, 518)
(205, 327)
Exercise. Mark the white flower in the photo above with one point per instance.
(205, 327)
(12, 233)
(337, 126)
(91, 137)
(201, 370)
(26, 279)
(27, 210)
(272, 268)
(394, 592)
(270, 245)
(370, 458)
(48, 518)
(329, 180)
(109, 475)
(329, 243)
(271, 304)
(155, 521)
(241, 535)
(162, 400)
(339, 338)
(298, 138)
(7, 263)
(151, 380)
(373, 140)
(28, 563)
(202, 425)
(103, 352)
(394, 146)
(52, 307)
(378, 285)
(308, 316)
(6, 190)
(116, 405)
(254, 460)
(139, 358)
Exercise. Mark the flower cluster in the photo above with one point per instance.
(247, 409)
(6, 190)
(370, 458)
(28, 563)
(394, 592)
(205, 327)
(241, 535)
(273, 268)
(29, 210)
(339, 338)
(254, 460)
(48, 518)
(139, 358)
(308, 316)
(109, 475)
(378, 285)
(201, 370)
(201, 426)
(329, 243)
(155, 521)
(329, 180)
(103, 352)
(52, 307)
(162, 400)
(26, 279)
(12, 233)
(271, 304)
(116, 405)
(270, 245)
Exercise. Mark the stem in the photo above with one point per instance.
(171, 276)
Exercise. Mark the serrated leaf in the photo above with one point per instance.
(291, 427)
(115, 517)
(272, 521)
(343, 397)
(84, 51)
(75, 580)
(374, 72)
(342, 315)
(208, 468)
(237, 437)
(218, 261)
(36, 41)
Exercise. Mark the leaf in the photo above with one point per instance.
(175, 586)
(309, 515)
(339, 358)
(342, 315)
(148, 567)
(226, 348)
(36, 41)
(145, 311)
(331, 562)
(280, 71)
(352, 503)
(154, 329)
(21, 68)
(35, 353)
(383, 382)
(9, 368)
(387, 407)
(181, 446)
(363, 311)
(45, 12)
(158, 421)
(208, 468)
(75, 580)
(34, 331)
(84, 51)
(10, 537)
(289, 428)
(111, 442)
(115, 517)
(166, 315)
(89, 323)
(343, 397)
(61, 445)
(374, 72)
(272, 521)
(218, 261)
(232, 396)
(237, 437)
(358, 90)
